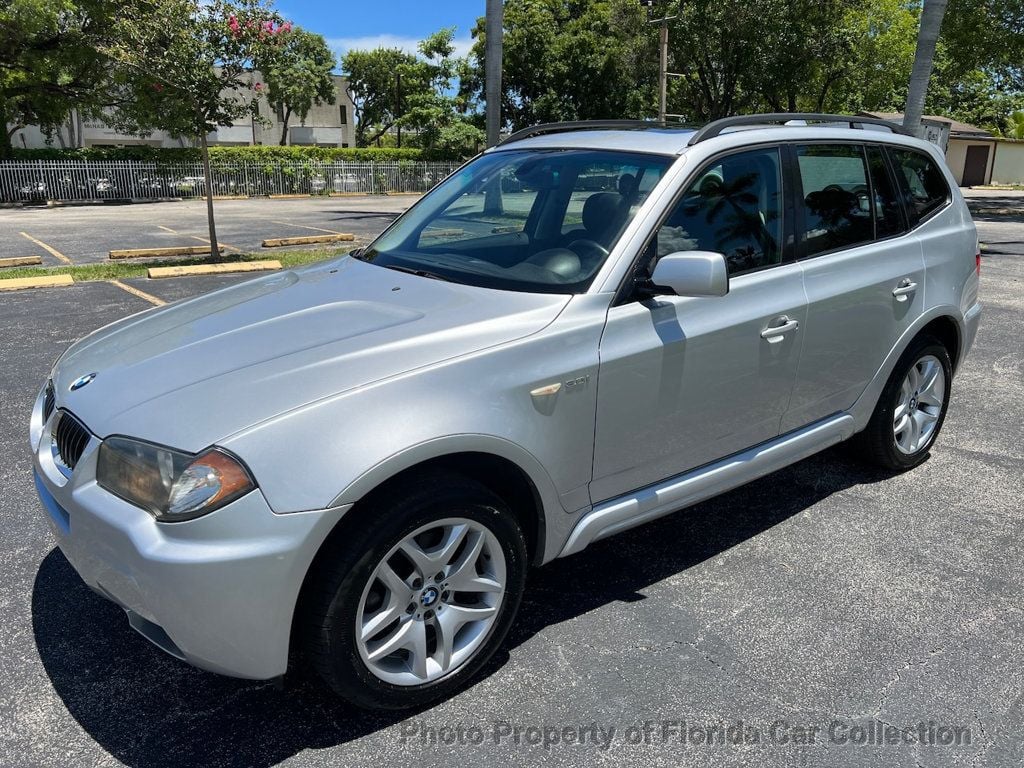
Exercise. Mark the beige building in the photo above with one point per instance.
(1008, 163)
(327, 125)
(970, 150)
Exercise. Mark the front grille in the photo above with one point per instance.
(49, 401)
(70, 438)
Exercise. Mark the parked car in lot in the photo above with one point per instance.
(358, 460)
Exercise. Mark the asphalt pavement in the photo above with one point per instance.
(86, 233)
(811, 618)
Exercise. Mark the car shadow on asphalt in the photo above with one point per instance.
(148, 709)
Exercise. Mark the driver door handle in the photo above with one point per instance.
(906, 287)
(773, 334)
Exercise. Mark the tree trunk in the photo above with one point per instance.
(931, 22)
(214, 250)
(284, 129)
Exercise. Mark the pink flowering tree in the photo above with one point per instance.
(187, 67)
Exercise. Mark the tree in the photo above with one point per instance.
(436, 117)
(1015, 125)
(373, 89)
(570, 60)
(297, 74)
(185, 67)
(391, 89)
(51, 63)
(927, 37)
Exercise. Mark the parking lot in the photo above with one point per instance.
(85, 234)
(820, 603)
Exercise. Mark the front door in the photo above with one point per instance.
(685, 381)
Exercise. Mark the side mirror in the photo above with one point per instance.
(690, 273)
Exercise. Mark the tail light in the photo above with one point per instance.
(977, 262)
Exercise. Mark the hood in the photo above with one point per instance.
(192, 373)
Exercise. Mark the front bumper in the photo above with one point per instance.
(218, 591)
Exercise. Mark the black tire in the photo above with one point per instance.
(334, 589)
(877, 443)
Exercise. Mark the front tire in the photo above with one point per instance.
(410, 606)
(911, 409)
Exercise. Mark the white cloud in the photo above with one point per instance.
(409, 44)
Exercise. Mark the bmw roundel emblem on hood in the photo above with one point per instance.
(81, 381)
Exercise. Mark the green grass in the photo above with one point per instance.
(115, 270)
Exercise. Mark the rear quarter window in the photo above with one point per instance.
(923, 185)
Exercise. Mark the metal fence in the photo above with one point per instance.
(68, 180)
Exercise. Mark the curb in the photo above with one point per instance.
(277, 242)
(21, 283)
(214, 269)
(143, 253)
(21, 261)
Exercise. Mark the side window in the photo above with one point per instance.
(924, 185)
(888, 219)
(734, 207)
(836, 202)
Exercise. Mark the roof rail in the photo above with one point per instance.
(584, 125)
(716, 127)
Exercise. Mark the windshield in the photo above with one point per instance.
(527, 220)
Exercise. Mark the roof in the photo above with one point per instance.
(956, 128)
(675, 141)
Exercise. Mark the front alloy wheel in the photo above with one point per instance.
(431, 602)
(414, 591)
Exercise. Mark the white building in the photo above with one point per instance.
(327, 125)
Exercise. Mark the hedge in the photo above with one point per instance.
(219, 155)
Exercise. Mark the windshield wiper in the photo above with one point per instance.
(418, 272)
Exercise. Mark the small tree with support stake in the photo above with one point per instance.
(186, 67)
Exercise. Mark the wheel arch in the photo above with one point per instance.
(944, 322)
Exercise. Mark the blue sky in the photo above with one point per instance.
(352, 24)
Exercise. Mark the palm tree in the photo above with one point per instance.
(932, 12)
(1015, 125)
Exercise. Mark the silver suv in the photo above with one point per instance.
(582, 329)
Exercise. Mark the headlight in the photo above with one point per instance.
(171, 485)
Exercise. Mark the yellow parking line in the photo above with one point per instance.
(52, 251)
(303, 226)
(200, 239)
(136, 292)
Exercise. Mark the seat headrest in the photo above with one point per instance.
(603, 212)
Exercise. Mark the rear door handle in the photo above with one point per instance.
(904, 289)
(773, 334)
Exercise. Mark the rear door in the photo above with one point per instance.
(863, 273)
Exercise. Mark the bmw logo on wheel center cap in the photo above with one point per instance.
(429, 596)
(81, 381)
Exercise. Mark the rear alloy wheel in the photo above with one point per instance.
(911, 408)
(414, 593)
(921, 400)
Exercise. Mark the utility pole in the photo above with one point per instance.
(663, 73)
(492, 66)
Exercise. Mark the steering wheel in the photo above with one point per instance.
(589, 251)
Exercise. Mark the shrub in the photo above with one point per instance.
(267, 154)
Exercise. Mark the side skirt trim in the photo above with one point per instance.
(638, 507)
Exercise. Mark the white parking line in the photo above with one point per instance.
(52, 251)
(304, 226)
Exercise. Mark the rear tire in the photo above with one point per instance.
(434, 569)
(911, 409)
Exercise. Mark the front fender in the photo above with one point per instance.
(555, 520)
